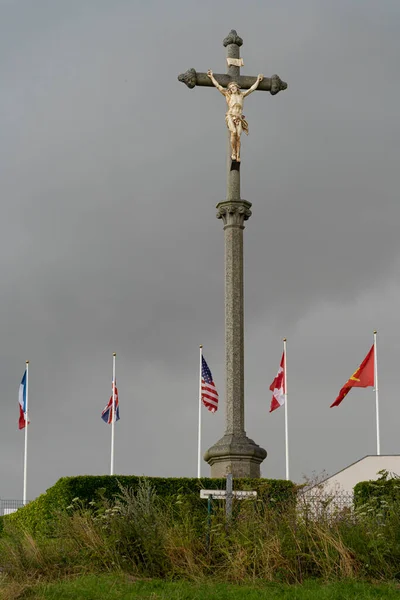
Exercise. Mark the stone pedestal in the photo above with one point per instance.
(238, 455)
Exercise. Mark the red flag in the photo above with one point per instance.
(363, 377)
(277, 387)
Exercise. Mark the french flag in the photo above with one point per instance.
(22, 403)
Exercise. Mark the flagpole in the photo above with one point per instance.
(378, 440)
(113, 417)
(199, 432)
(286, 412)
(26, 433)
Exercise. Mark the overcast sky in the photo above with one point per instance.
(110, 170)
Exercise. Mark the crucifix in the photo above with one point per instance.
(234, 453)
(230, 85)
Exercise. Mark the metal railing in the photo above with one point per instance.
(9, 506)
(320, 504)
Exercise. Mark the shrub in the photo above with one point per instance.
(384, 488)
(39, 516)
(142, 533)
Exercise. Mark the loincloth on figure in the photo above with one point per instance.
(232, 122)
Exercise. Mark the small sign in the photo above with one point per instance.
(235, 62)
(221, 494)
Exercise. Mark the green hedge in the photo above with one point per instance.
(37, 516)
(381, 489)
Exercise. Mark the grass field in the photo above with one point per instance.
(140, 546)
(121, 587)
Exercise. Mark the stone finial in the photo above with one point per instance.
(277, 84)
(232, 38)
(188, 78)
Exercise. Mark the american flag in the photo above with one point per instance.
(107, 414)
(209, 394)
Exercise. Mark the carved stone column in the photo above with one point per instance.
(233, 215)
(234, 453)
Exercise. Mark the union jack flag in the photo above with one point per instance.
(107, 414)
(209, 394)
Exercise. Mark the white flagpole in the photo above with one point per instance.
(286, 412)
(199, 432)
(26, 433)
(378, 440)
(113, 417)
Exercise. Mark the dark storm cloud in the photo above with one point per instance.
(110, 170)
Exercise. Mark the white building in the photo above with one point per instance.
(336, 492)
(365, 469)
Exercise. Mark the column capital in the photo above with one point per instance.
(234, 212)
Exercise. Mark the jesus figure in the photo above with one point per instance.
(234, 117)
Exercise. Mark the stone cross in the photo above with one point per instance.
(234, 453)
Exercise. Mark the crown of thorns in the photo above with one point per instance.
(232, 83)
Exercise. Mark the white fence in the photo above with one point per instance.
(9, 506)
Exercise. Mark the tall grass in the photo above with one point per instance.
(143, 535)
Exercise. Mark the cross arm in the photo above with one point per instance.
(272, 84)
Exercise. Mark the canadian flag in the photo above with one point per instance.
(277, 387)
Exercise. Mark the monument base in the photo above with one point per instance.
(237, 455)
